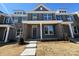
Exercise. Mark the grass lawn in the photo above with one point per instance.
(57, 48)
(11, 50)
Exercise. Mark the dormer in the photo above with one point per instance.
(19, 12)
(61, 11)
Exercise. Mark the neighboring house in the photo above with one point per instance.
(7, 31)
(76, 25)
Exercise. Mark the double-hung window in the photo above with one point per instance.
(76, 30)
(68, 17)
(58, 17)
(49, 29)
(47, 16)
(34, 16)
(19, 31)
(19, 19)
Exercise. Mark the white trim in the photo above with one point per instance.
(40, 30)
(4, 34)
(47, 22)
(43, 22)
(48, 30)
(7, 33)
(41, 5)
(71, 31)
(2, 25)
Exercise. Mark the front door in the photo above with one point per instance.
(34, 32)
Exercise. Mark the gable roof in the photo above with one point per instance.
(41, 5)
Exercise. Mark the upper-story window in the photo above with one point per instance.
(34, 16)
(18, 12)
(62, 11)
(15, 19)
(41, 8)
(8, 20)
(58, 17)
(24, 18)
(47, 16)
(19, 19)
(68, 17)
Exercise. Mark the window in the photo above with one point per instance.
(58, 17)
(68, 17)
(19, 19)
(41, 8)
(15, 19)
(75, 30)
(24, 18)
(47, 16)
(8, 20)
(19, 31)
(48, 29)
(34, 16)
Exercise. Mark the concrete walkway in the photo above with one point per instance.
(30, 49)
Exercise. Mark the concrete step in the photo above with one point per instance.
(29, 52)
(31, 46)
(32, 42)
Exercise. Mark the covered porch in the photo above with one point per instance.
(36, 30)
(7, 33)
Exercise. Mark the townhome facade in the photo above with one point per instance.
(42, 23)
(45, 24)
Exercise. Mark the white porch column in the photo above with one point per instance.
(41, 30)
(7, 33)
(71, 30)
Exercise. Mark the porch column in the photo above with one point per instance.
(41, 30)
(71, 30)
(7, 33)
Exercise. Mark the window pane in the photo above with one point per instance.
(19, 19)
(75, 30)
(49, 29)
(49, 16)
(46, 29)
(58, 17)
(68, 18)
(34, 16)
(45, 16)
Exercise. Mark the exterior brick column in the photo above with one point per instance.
(24, 31)
(59, 31)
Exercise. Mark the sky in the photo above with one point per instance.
(10, 7)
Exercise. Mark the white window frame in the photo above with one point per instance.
(48, 30)
(20, 32)
(47, 16)
(34, 17)
(76, 30)
(69, 18)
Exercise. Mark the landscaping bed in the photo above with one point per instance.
(57, 48)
